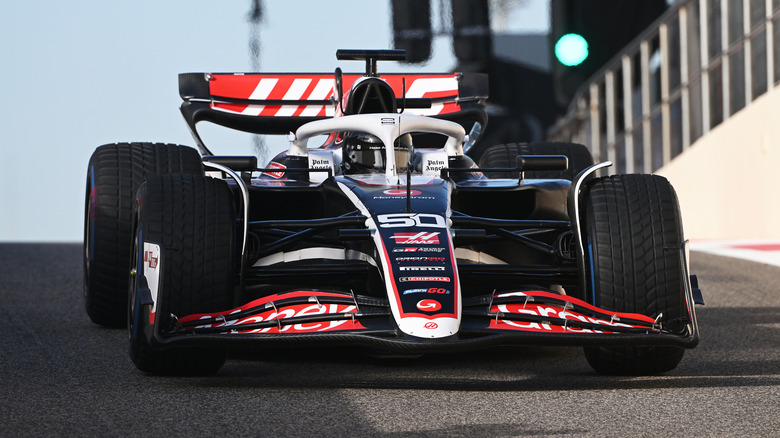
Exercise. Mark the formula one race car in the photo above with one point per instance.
(389, 236)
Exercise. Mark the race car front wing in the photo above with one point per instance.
(523, 317)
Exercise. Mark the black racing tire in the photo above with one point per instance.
(192, 219)
(504, 155)
(114, 174)
(633, 236)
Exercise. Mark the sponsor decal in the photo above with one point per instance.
(420, 259)
(387, 121)
(422, 268)
(396, 197)
(151, 270)
(293, 311)
(320, 87)
(318, 163)
(421, 238)
(401, 192)
(275, 165)
(397, 220)
(429, 305)
(419, 249)
(396, 194)
(546, 311)
(431, 325)
(430, 290)
(433, 165)
(406, 279)
(151, 258)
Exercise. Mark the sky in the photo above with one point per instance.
(77, 74)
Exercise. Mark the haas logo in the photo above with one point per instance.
(151, 259)
(421, 238)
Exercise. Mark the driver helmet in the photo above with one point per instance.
(365, 153)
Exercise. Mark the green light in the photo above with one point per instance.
(571, 49)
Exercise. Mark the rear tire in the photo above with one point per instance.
(633, 237)
(504, 155)
(115, 172)
(191, 218)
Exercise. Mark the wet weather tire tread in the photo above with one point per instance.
(633, 224)
(191, 218)
(118, 170)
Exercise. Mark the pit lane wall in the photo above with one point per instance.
(728, 181)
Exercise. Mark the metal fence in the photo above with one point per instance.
(697, 65)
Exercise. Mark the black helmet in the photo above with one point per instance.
(365, 153)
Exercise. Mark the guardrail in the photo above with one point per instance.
(693, 68)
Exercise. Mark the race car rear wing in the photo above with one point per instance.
(279, 103)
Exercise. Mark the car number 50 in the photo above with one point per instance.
(397, 220)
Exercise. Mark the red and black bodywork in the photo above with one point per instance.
(327, 271)
(422, 260)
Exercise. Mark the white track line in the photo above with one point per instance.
(761, 251)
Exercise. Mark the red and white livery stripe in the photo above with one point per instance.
(320, 87)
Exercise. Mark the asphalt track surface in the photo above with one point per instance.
(61, 375)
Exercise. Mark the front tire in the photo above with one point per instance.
(633, 236)
(191, 219)
(115, 172)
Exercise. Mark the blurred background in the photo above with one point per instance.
(79, 74)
